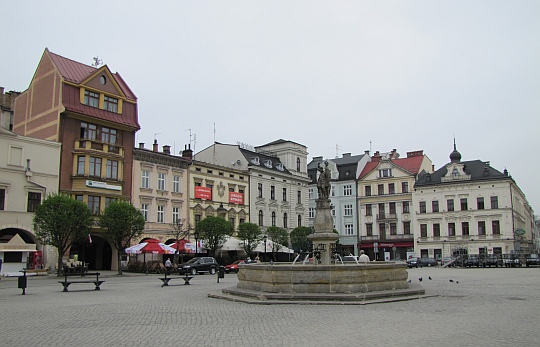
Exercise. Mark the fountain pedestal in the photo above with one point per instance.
(323, 238)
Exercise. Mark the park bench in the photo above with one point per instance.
(97, 282)
(166, 279)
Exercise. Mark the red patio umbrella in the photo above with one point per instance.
(183, 246)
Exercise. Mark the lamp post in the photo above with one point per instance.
(264, 239)
(196, 235)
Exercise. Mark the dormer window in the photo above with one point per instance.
(110, 104)
(268, 164)
(455, 173)
(91, 99)
(385, 173)
(280, 167)
(255, 161)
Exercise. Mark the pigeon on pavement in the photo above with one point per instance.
(429, 278)
(420, 279)
(451, 280)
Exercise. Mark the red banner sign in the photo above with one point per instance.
(204, 193)
(236, 198)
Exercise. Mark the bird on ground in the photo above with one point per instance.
(409, 281)
(420, 279)
(457, 281)
(429, 278)
(451, 280)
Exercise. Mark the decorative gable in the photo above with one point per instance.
(455, 172)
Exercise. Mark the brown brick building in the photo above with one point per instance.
(93, 113)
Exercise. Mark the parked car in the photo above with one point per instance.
(234, 266)
(427, 262)
(199, 265)
(350, 258)
(493, 260)
(448, 261)
(512, 261)
(532, 260)
(413, 262)
(472, 261)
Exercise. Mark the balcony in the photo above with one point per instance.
(386, 216)
(89, 144)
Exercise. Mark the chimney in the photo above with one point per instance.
(155, 147)
(141, 145)
(432, 168)
(346, 155)
(317, 158)
(167, 149)
(376, 156)
(394, 154)
(366, 152)
(187, 153)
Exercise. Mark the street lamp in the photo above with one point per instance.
(196, 235)
(264, 239)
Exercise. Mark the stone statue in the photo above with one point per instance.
(323, 183)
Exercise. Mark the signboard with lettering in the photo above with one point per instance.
(204, 193)
(236, 198)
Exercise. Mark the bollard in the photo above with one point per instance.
(220, 273)
(22, 281)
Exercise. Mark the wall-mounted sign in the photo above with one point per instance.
(204, 193)
(102, 185)
(236, 198)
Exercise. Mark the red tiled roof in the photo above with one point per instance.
(367, 169)
(76, 72)
(411, 164)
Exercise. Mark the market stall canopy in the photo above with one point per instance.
(233, 244)
(269, 245)
(150, 246)
(183, 246)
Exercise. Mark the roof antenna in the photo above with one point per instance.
(155, 138)
(97, 62)
(338, 147)
(192, 138)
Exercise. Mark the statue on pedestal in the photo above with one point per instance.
(323, 183)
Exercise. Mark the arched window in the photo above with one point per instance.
(299, 220)
(297, 164)
(260, 218)
(273, 219)
(285, 221)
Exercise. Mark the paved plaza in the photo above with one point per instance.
(488, 307)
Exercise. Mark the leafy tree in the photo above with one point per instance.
(299, 239)
(60, 220)
(121, 223)
(180, 230)
(279, 238)
(251, 234)
(214, 230)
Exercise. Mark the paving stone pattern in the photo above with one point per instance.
(488, 307)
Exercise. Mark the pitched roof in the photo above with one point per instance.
(478, 170)
(76, 72)
(411, 165)
(263, 160)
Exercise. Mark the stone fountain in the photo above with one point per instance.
(322, 281)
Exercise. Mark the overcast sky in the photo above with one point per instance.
(336, 76)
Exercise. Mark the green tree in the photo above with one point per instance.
(299, 239)
(121, 223)
(60, 220)
(214, 230)
(251, 234)
(279, 238)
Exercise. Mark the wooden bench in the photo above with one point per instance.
(66, 283)
(37, 272)
(166, 279)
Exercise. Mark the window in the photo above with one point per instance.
(407, 228)
(349, 229)
(34, 200)
(369, 210)
(463, 203)
(450, 204)
(332, 191)
(333, 210)
(110, 104)
(310, 193)
(299, 220)
(405, 207)
(347, 210)
(385, 173)
(285, 220)
(144, 211)
(272, 193)
(2, 199)
(392, 207)
(347, 190)
(423, 230)
(381, 211)
(451, 229)
(197, 218)
(161, 214)
(311, 212)
(435, 206)
(436, 230)
(495, 227)
(494, 202)
(299, 196)
(284, 194)
(298, 164)
(422, 207)
(175, 214)
(382, 230)
(95, 167)
(91, 98)
(88, 131)
(465, 228)
(176, 184)
(369, 229)
(393, 229)
(112, 169)
(260, 190)
(80, 165)
(391, 188)
(231, 220)
(481, 227)
(79, 198)
(108, 201)
(108, 136)
(145, 179)
(93, 204)
(380, 189)
(480, 203)
(367, 190)
(404, 187)
(260, 218)
(273, 218)
(161, 181)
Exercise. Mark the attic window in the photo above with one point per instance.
(103, 80)
(255, 161)
(268, 164)
(110, 104)
(280, 167)
(91, 98)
